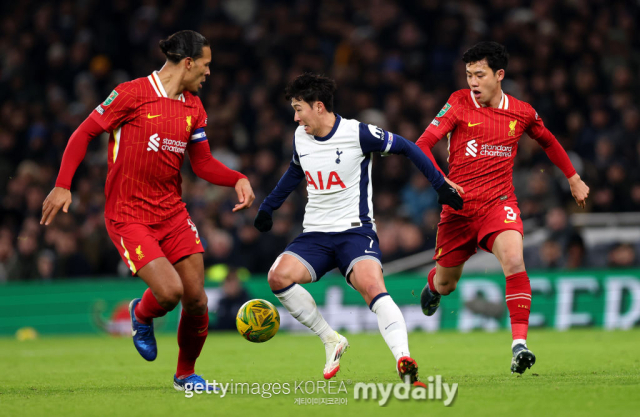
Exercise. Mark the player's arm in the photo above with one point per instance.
(116, 110)
(374, 139)
(559, 157)
(444, 122)
(60, 196)
(289, 182)
(208, 168)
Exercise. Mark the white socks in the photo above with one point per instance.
(392, 326)
(518, 342)
(303, 308)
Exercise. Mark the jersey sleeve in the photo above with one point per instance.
(117, 109)
(198, 135)
(296, 158)
(536, 126)
(446, 119)
(202, 115)
(374, 139)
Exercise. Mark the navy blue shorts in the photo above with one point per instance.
(321, 252)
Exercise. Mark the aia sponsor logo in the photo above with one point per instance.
(333, 180)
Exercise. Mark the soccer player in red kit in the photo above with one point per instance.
(151, 122)
(484, 127)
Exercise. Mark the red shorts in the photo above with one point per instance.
(459, 237)
(139, 244)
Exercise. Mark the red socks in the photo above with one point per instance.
(148, 308)
(430, 277)
(518, 296)
(192, 333)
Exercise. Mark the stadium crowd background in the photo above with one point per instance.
(576, 62)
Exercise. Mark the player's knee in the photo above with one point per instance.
(279, 279)
(512, 263)
(169, 296)
(446, 288)
(196, 306)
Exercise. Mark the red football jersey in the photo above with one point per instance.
(148, 135)
(482, 146)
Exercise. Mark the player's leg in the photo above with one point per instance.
(508, 248)
(194, 320)
(441, 280)
(305, 260)
(366, 277)
(455, 244)
(181, 242)
(141, 252)
(501, 234)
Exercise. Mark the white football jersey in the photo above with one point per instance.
(337, 168)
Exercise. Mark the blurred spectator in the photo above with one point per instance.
(622, 256)
(234, 296)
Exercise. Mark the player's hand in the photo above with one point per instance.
(579, 190)
(58, 198)
(263, 221)
(459, 189)
(245, 194)
(448, 195)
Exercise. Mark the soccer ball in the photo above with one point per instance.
(258, 320)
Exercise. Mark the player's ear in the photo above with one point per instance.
(188, 62)
(500, 74)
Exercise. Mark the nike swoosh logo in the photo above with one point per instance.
(197, 241)
(134, 332)
(202, 331)
(149, 116)
(390, 325)
(304, 155)
(509, 221)
(474, 124)
(369, 251)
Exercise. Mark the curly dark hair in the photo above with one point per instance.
(495, 53)
(183, 44)
(311, 88)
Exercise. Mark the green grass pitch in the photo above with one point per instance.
(578, 373)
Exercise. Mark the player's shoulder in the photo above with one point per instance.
(300, 133)
(191, 99)
(518, 105)
(461, 98)
(350, 124)
(139, 87)
(130, 87)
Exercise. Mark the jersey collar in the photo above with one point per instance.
(333, 130)
(504, 101)
(154, 79)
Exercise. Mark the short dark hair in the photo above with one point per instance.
(183, 44)
(311, 88)
(496, 54)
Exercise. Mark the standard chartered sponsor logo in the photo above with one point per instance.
(487, 150)
(154, 142)
(472, 148)
(167, 144)
(496, 150)
(173, 145)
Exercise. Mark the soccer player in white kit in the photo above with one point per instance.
(334, 155)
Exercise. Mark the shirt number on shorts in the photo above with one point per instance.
(511, 215)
